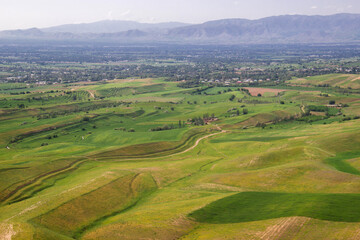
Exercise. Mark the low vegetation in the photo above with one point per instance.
(142, 158)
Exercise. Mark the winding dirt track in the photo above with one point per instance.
(91, 94)
(173, 154)
(197, 143)
(41, 177)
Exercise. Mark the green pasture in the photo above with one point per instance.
(84, 162)
(255, 206)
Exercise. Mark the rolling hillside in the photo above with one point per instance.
(143, 158)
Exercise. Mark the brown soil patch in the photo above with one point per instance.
(318, 113)
(256, 91)
(145, 81)
(7, 231)
(358, 78)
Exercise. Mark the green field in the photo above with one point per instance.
(330, 80)
(256, 206)
(145, 159)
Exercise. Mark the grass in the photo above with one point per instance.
(256, 206)
(77, 172)
(73, 217)
(339, 162)
(333, 80)
(154, 149)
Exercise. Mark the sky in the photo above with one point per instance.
(21, 14)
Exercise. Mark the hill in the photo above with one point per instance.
(339, 28)
(280, 29)
(111, 26)
(134, 159)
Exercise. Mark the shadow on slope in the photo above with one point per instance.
(256, 206)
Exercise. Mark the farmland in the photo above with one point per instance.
(334, 80)
(144, 158)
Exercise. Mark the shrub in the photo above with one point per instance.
(262, 125)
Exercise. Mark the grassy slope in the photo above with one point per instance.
(300, 160)
(256, 206)
(334, 80)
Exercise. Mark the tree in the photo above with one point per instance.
(21, 105)
(232, 98)
(332, 102)
(245, 111)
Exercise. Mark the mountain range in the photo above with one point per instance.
(339, 28)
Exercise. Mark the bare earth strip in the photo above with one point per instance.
(91, 93)
(284, 227)
(197, 143)
(6, 231)
(256, 91)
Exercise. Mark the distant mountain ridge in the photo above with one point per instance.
(287, 28)
(112, 26)
(339, 28)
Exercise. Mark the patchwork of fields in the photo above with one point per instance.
(145, 159)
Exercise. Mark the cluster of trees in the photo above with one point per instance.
(199, 121)
(163, 128)
(329, 111)
(237, 112)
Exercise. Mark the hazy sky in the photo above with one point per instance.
(16, 14)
